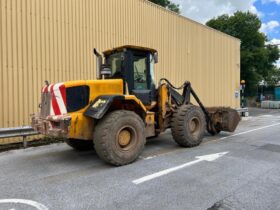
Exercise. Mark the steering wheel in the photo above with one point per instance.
(138, 77)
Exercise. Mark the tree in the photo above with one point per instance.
(274, 77)
(168, 5)
(257, 59)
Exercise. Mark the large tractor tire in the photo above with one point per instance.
(80, 145)
(188, 126)
(119, 138)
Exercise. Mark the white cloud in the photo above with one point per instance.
(254, 10)
(269, 1)
(269, 26)
(275, 41)
(204, 10)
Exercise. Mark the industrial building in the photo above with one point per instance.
(53, 40)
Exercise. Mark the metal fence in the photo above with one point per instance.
(18, 132)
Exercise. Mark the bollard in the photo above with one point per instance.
(243, 85)
(24, 142)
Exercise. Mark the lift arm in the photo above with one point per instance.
(217, 118)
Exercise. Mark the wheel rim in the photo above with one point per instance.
(126, 138)
(194, 126)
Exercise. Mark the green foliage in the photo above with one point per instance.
(274, 77)
(167, 4)
(257, 59)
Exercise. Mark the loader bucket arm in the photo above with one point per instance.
(217, 118)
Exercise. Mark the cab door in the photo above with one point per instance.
(142, 85)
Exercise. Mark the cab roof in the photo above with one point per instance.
(119, 49)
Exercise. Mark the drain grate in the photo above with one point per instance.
(271, 147)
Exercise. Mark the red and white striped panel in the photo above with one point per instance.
(45, 89)
(58, 98)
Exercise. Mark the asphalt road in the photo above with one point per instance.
(245, 174)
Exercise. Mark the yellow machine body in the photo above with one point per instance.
(81, 127)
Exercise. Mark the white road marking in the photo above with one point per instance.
(250, 131)
(149, 157)
(247, 118)
(209, 158)
(34, 204)
(266, 115)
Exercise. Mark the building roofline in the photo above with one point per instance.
(189, 19)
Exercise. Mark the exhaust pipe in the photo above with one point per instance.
(98, 63)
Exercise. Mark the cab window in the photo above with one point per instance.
(140, 72)
(115, 61)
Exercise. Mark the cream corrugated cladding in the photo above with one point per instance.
(53, 40)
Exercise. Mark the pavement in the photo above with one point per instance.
(230, 171)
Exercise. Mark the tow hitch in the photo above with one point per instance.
(54, 126)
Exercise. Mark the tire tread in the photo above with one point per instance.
(102, 134)
(178, 125)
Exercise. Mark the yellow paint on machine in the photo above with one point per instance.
(81, 126)
(53, 40)
(134, 98)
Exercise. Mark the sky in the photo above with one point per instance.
(267, 10)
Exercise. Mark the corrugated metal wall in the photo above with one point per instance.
(53, 40)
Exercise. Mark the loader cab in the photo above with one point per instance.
(135, 65)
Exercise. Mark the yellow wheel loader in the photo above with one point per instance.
(121, 108)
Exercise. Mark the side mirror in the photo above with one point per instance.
(156, 57)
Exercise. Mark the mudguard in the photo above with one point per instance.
(100, 106)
